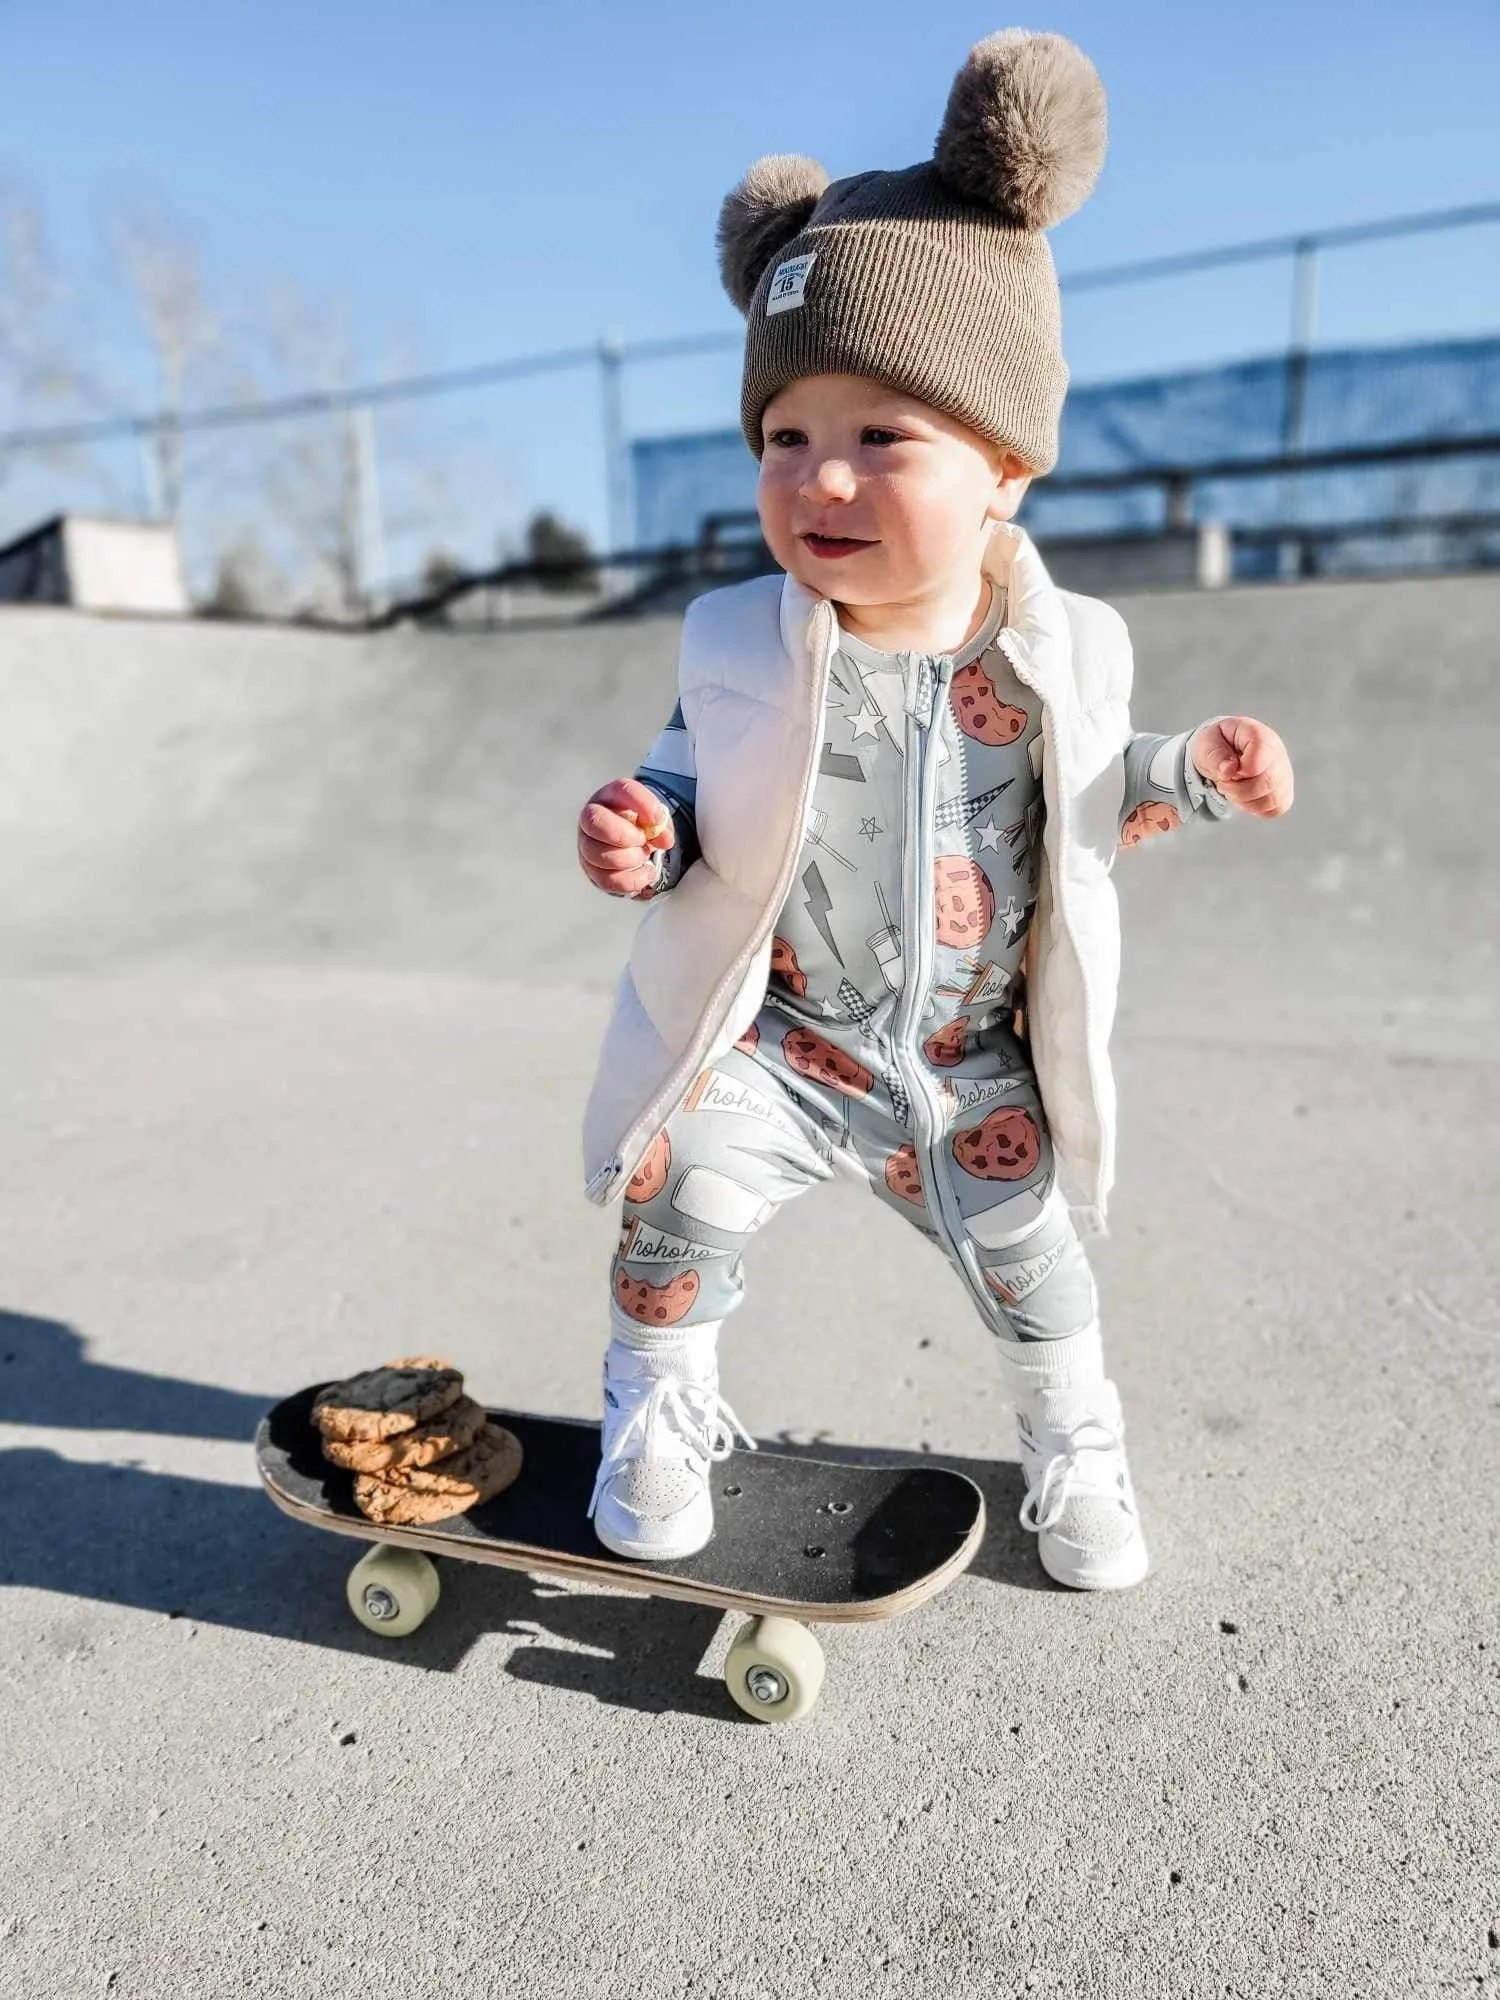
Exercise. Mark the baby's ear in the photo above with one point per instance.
(1012, 480)
(767, 209)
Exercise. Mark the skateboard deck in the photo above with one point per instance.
(794, 1537)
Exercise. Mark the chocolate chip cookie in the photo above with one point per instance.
(414, 1496)
(384, 1402)
(455, 1430)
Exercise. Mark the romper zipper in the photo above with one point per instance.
(926, 700)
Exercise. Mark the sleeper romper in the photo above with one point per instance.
(890, 1045)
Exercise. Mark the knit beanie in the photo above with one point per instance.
(936, 279)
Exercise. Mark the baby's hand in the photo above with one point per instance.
(623, 825)
(1247, 761)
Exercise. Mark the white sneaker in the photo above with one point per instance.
(1079, 1500)
(665, 1424)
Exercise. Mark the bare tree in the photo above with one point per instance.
(42, 329)
(305, 492)
(314, 475)
(160, 265)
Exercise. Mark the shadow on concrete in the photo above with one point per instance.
(209, 1553)
(47, 1379)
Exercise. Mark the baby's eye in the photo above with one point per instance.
(787, 440)
(878, 434)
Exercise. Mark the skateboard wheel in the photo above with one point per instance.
(391, 1591)
(775, 1670)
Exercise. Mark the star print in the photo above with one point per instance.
(989, 836)
(1012, 918)
(830, 1012)
(866, 723)
(869, 829)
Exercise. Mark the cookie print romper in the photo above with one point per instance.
(890, 1045)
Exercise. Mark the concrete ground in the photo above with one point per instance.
(299, 989)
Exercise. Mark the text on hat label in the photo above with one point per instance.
(789, 283)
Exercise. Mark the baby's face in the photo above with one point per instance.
(871, 497)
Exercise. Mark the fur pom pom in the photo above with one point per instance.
(1025, 129)
(765, 211)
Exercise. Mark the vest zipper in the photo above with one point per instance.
(600, 1187)
(1064, 829)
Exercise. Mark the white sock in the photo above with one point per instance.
(646, 1350)
(1074, 1362)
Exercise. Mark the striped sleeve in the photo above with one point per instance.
(669, 770)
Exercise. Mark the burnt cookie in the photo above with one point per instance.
(419, 1495)
(383, 1402)
(455, 1430)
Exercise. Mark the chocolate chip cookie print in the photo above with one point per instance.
(822, 1079)
(1006, 1146)
(657, 1305)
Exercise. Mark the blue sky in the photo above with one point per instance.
(482, 180)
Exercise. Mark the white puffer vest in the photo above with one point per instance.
(752, 679)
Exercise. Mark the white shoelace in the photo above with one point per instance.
(693, 1414)
(1066, 1473)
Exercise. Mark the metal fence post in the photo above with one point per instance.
(616, 450)
(1299, 348)
(1291, 558)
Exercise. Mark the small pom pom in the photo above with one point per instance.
(765, 211)
(1025, 129)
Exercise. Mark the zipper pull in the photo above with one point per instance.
(921, 687)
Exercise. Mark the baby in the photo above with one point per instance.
(877, 832)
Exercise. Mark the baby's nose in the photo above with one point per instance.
(831, 479)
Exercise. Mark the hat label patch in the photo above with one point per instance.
(789, 284)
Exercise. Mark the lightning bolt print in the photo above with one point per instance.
(1023, 837)
(855, 1004)
(958, 812)
(834, 764)
(819, 903)
(861, 1011)
(900, 1102)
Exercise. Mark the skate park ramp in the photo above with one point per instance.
(300, 988)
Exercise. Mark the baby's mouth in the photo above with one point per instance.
(835, 545)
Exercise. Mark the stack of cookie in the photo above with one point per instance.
(419, 1448)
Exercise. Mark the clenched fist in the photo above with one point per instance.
(1247, 761)
(619, 831)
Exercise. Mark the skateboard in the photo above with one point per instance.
(796, 1540)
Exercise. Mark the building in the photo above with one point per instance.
(97, 564)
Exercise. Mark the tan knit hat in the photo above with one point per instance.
(936, 279)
